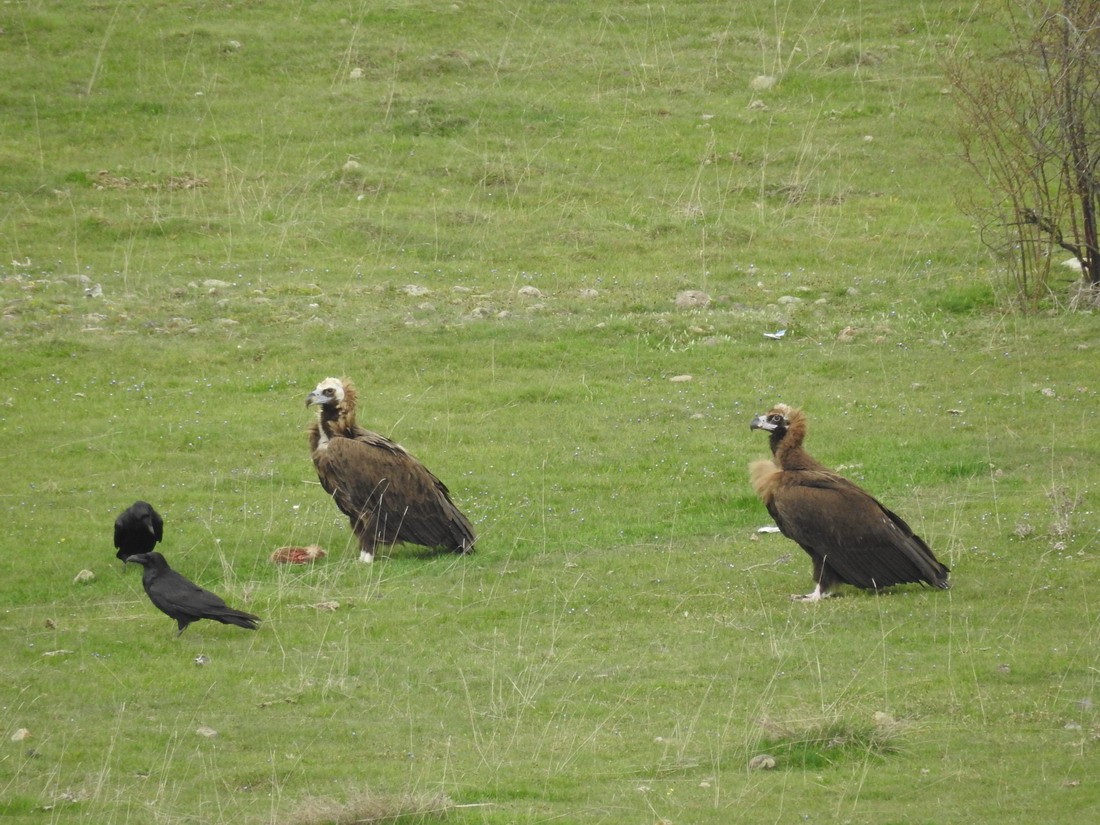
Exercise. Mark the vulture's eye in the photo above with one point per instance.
(775, 418)
(329, 391)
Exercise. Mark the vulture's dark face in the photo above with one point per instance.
(329, 391)
(775, 420)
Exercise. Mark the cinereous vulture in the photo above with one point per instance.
(137, 530)
(851, 537)
(386, 493)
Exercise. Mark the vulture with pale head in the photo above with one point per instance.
(851, 538)
(386, 493)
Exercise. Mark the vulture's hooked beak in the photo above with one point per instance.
(315, 398)
(761, 422)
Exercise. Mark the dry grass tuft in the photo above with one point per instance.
(368, 807)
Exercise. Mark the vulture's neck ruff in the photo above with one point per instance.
(786, 444)
(337, 416)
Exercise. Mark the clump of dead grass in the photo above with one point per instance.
(370, 807)
(822, 743)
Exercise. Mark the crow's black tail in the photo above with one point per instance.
(238, 618)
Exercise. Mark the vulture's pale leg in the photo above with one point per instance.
(362, 529)
(816, 596)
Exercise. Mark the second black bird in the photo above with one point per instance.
(137, 530)
(182, 599)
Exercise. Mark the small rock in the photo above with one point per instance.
(83, 576)
(330, 606)
(356, 74)
(20, 735)
(763, 82)
(681, 379)
(214, 283)
(530, 292)
(209, 733)
(589, 294)
(202, 659)
(847, 334)
(790, 299)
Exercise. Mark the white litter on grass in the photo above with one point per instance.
(767, 528)
(775, 336)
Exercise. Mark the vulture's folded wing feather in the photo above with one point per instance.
(371, 474)
(866, 544)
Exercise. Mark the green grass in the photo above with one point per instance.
(620, 647)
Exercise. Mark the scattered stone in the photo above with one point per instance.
(330, 606)
(763, 82)
(847, 335)
(208, 732)
(356, 74)
(589, 294)
(681, 379)
(530, 292)
(202, 659)
(416, 290)
(84, 576)
(214, 283)
(758, 106)
(20, 735)
(790, 299)
(95, 291)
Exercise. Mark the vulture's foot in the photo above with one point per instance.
(816, 596)
(366, 556)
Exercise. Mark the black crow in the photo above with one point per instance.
(184, 600)
(137, 530)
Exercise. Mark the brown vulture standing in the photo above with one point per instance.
(385, 492)
(851, 538)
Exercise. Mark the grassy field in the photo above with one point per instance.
(484, 214)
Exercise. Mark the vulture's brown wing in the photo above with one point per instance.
(372, 474)
(866, 544)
